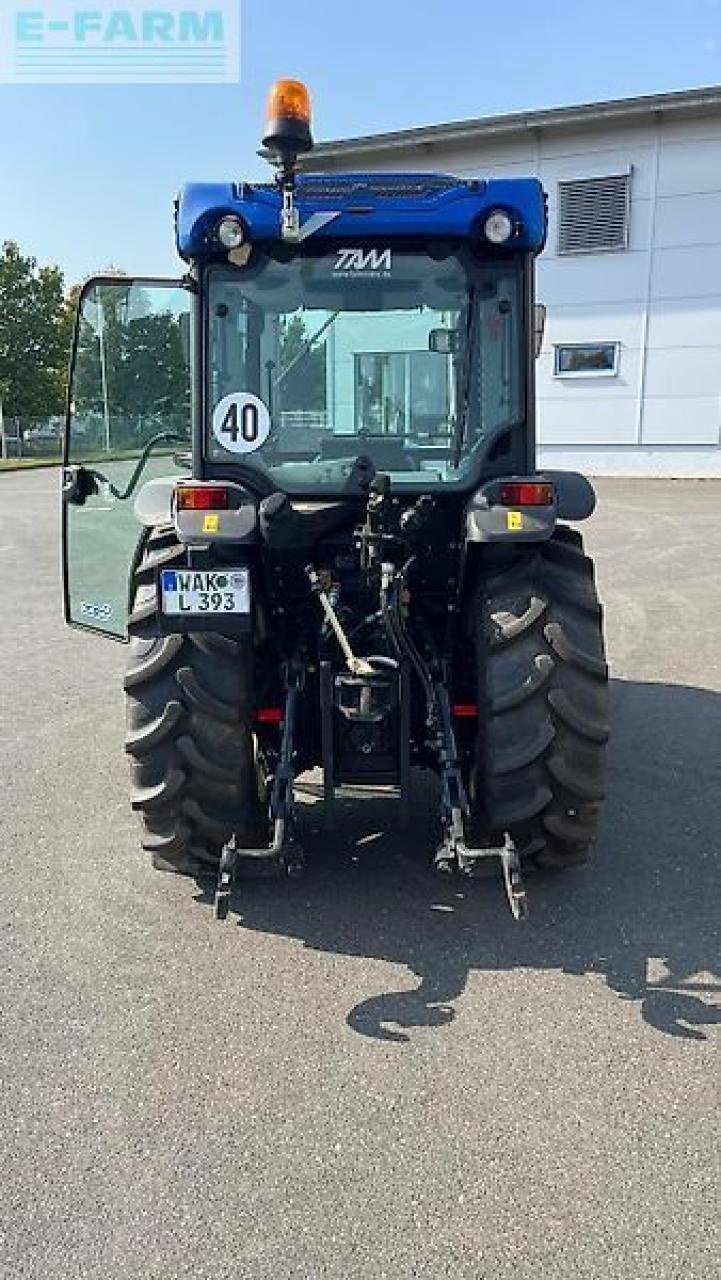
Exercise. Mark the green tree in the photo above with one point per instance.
(302, 368)
(34, 336)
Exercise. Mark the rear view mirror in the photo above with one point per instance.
(539, 326)
(445, 342)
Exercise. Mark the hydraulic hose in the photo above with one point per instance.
(388, 623)
(404, 642)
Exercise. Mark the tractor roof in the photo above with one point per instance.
(365, 206)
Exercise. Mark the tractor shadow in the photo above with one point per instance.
(643, 914)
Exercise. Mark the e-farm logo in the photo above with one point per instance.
(366, 262)
(136, 42)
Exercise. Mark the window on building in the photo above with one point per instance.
(585, 359)
(593, 214)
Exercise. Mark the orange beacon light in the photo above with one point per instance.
(287, 130)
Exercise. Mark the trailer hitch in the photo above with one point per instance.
(454, 854)
(283, 849)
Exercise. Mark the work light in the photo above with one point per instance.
(230, 232)
(498, 227)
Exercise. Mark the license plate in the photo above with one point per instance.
(194, 592)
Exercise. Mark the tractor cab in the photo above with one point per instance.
(395, 323)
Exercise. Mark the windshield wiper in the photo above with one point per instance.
(466, 381)
(308, 345)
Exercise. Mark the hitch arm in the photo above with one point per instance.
(453, 853)
(282, 807)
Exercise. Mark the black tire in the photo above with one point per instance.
(189, 702)
(543, 713)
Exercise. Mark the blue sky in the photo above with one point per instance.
(88, 174)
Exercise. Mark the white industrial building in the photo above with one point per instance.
(629, 379)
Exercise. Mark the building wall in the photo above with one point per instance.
(660, 299)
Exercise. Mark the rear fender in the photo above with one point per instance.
(490, 520)
(576, 495)
(214, 541)
(155, 505)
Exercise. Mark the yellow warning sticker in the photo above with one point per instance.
(211, 524)
(515, 520)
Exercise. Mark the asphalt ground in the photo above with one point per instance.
(370, 1072)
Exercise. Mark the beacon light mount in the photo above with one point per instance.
(288, 135)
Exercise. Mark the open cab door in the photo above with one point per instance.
(128, 421)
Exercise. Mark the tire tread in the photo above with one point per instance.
(543, 726)
(189, 738)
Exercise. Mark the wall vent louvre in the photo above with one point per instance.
(593, 214)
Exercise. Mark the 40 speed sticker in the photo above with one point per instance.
(241, 422)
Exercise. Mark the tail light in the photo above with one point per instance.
(269, 715)
(527, 493)
(201, 497)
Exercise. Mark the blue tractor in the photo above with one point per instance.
(301, 482)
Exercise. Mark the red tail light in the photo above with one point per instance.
(527, 493)
(465, 710)
(201, 497)
(269, 715)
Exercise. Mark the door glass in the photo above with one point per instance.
(130, 391)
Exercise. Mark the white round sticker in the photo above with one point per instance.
(241, 422)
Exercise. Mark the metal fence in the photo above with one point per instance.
(31, 438)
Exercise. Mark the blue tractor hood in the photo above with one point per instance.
(367, 207)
